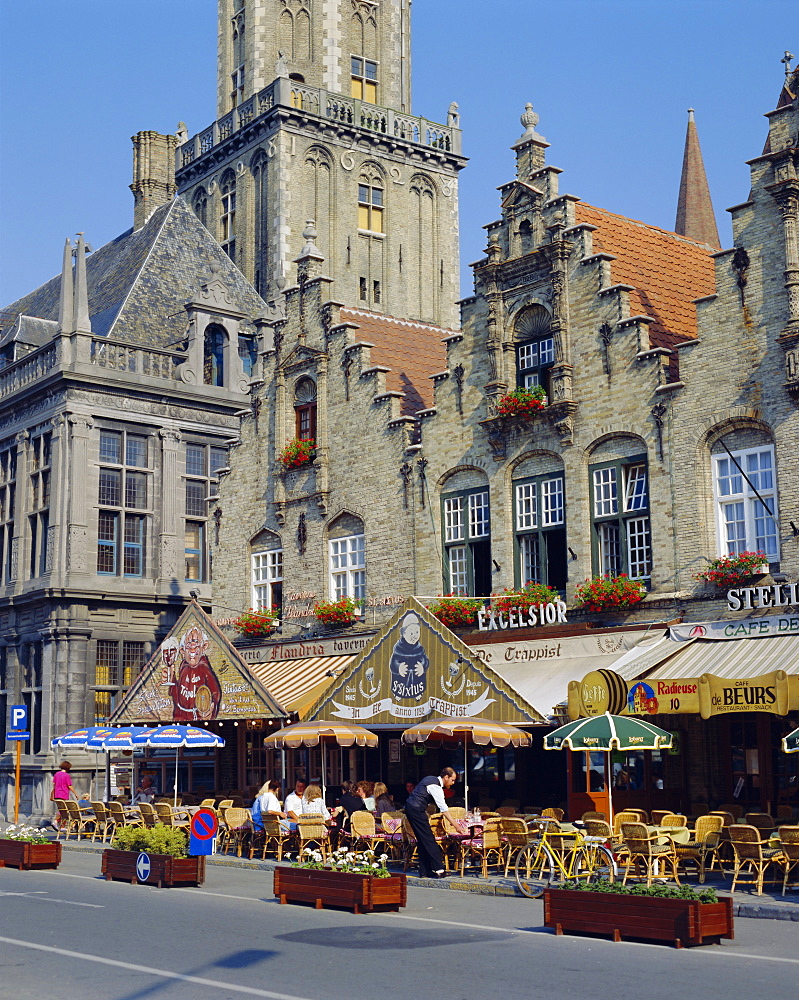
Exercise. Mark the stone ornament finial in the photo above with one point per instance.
(282, 65)
(454, 116)
(787, 60)
(309, 234)
(529, 119)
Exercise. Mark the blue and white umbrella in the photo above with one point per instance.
(98, 739)
(80, 737)
(175, 736)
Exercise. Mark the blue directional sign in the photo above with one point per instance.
(17, 716)
(143, 867)
(18, 736)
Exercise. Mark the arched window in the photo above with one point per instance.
(535, 348)
(305, 409)
(261, 213)
(200, 205)
(214, 355)
(227, 218)
(370, 203)
(745, 493)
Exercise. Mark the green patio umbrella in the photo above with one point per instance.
(608, 732)
(790, 743)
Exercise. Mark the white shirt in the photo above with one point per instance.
(293, 804)
(437, 795)
(315, 808)
(269, 803)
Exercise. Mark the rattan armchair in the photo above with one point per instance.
(789, 842)
(703, 846)
(169, 817)
(516, 837)
(488, 849)
(593, 814)
(102, 821)
(392, 833)
(363, 831)
(123, 818)
(673, 820)
(753, 856)
(644, 852)
(238, 827)
(552, 813)
(80, 821)
(311, 830)
(62, 817)
(148, 814)
(276, 837)
(763, 821)
(625, 816)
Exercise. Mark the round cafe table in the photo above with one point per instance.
(678, 834)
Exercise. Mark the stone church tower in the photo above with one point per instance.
(314, 122)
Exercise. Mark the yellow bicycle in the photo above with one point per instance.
(554, 857)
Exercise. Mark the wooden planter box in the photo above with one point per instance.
(359, 893)
(19, 854)
(682, 921)
(164, 870)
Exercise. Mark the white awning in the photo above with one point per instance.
(735, 659)
(296, 684)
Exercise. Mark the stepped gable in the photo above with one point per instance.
(137, 284)
(667, 271)
(413, 352)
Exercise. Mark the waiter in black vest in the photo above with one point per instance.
(431, 860)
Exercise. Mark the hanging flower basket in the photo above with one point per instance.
(530, 595)
(610, 593)
(337, 614)
(256, 623)
(456, 612)
(522, 402)
(298, 452)
(731, 571)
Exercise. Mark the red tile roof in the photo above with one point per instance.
(413, 351)
(666, 271)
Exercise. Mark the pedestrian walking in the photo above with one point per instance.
(430, 789)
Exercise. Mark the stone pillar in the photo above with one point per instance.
(169, 551)
(787, 198)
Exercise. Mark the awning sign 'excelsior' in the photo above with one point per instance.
(415, 667)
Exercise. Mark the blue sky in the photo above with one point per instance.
(610, 79)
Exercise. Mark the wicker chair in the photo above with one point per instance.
(658, 814)
(553, 813)
(752, 855)
(79, 820)
(506, 811)
(63, 818)
(593, 815)
(363, 833)
(516, 836)
(238, 827)
(102, 821)
(625, 816)
(642, 816)
(789, 842)
(122, 818)
(276, 837)
(673, 819)
(735, 810)
(312, 830)
(489, 846)
(646, 853)
(392, 834)
(763, 821)
(225, 804)
(598, 828)
(148, 814)
(167, 815)
(456, 812)
(703, 846)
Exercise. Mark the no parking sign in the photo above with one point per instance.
(202, 832)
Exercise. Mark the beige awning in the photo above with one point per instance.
(735, 659)
(297, 684)
(540, 669)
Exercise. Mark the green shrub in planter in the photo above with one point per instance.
(158, 839)
(661, 891)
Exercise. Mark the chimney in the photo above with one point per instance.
(153, 174)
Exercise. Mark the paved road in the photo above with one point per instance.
(70, 935)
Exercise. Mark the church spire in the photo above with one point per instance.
(695, 217)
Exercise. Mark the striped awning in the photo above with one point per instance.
(735, 659)
(297, 684)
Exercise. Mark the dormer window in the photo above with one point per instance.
(535, 348)
(305, 410)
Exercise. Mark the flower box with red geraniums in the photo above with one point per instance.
(298, 452)
(337, 614)
(522, 402)
(456, 612)
(731, 571)
(256, 623)
(610, 593)
(531, 595)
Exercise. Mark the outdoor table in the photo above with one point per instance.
(679, 834)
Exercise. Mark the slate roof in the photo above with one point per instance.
(138, 282)
(666, 271)
(413, 351)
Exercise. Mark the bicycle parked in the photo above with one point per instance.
(555, 856)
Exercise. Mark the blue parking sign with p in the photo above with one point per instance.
(18, 717)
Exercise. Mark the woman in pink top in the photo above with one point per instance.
(62, 784)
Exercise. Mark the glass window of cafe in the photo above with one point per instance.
(632, 771)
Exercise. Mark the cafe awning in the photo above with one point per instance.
(735, 660)
(297, 684)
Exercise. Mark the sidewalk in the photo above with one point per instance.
(770, 906)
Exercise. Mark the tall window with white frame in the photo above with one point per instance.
(467, 543)
(363, 82)
(39, 517)
(227, 218)
(540, 515)
(348, 567)
(125, 503)
(117, 665)
(621, 541)
(267, 580)
(202, 461)
(534, 359)
(370, 205)
(746, 522)
(8, 486)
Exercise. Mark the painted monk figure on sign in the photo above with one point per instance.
(197, 693)
(409, 660)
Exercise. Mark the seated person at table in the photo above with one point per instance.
(313, 804)
(269, 805)
(293, 803)
(369, 798)
(383, 801)
(146, 792)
